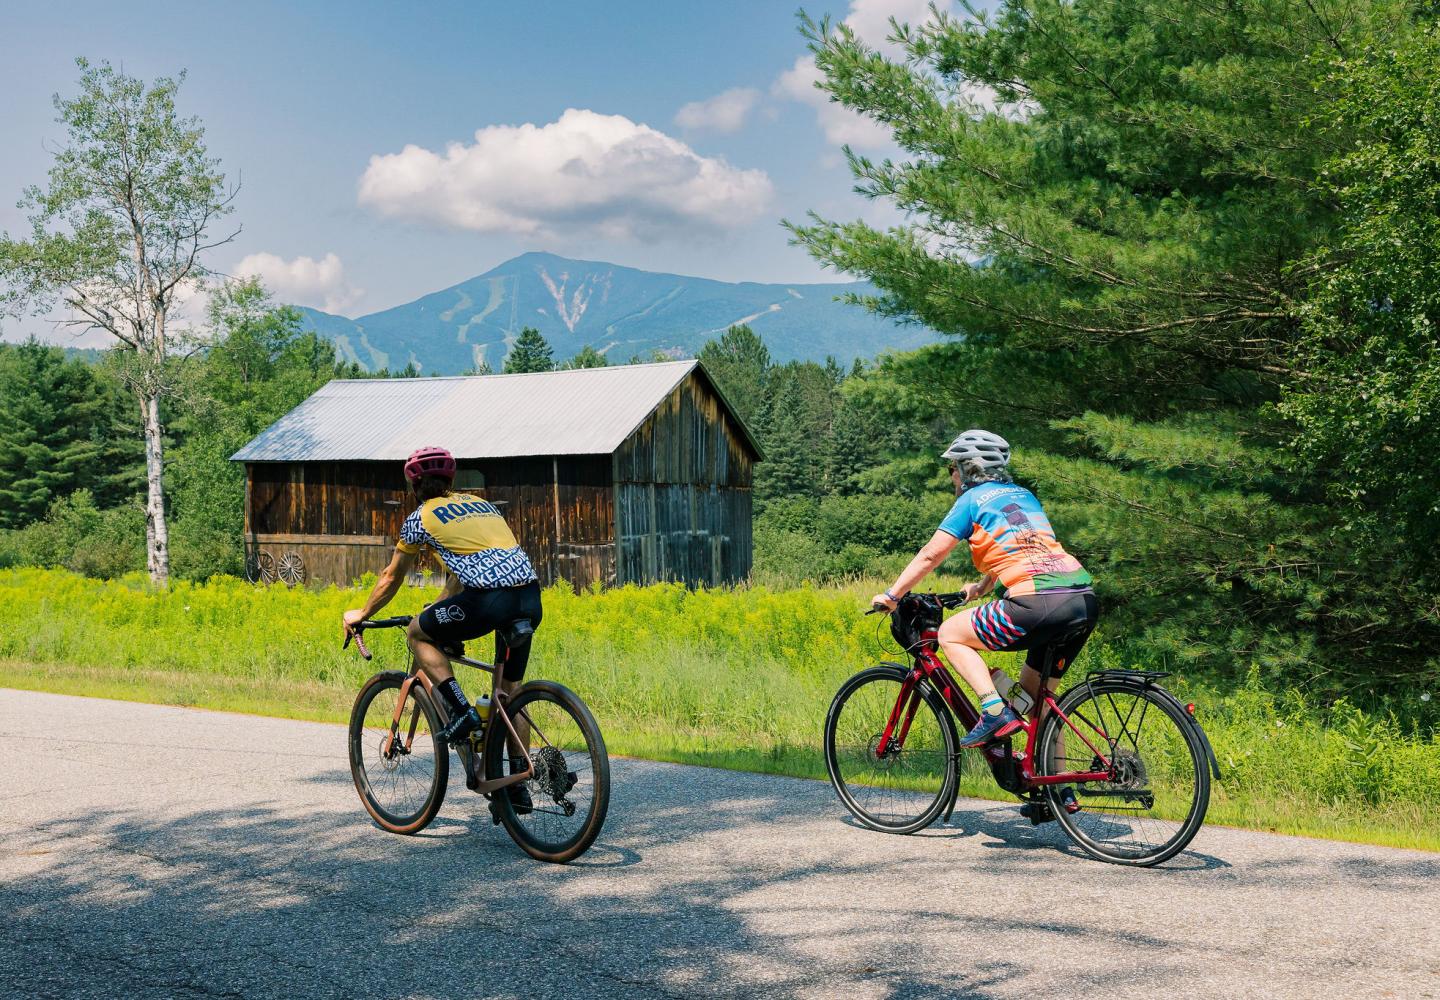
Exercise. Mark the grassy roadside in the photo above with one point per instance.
(737, 679)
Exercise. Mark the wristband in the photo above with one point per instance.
(892, 597)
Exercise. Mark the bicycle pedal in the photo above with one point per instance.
(1037, 813)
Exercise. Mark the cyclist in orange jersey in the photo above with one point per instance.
(1045, 594)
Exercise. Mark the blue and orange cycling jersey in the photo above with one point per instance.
(1011, 539)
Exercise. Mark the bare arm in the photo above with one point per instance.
(933, 553)
(453, 586)
(391, 578)
(974, 591)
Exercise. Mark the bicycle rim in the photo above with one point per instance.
(1157, 800)
(570, 787)
(401, 788)
(905, 787)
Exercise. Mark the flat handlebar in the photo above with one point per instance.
(951, 601)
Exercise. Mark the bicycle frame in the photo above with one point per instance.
(497, 673)
(928, 666)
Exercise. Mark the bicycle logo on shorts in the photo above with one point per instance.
(445, 615)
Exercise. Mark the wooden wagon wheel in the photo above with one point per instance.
(260, 567)
(291, 569)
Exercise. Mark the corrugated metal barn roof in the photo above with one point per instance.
(588, 411)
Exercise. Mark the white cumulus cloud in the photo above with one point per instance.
(870, 19)
(583, 174)
(303, 281)
(725, 112)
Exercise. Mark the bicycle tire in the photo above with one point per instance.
(1077, 826)
(940, 750)
(528, 831)
(359, 736)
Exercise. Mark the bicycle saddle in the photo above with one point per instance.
(516, 633)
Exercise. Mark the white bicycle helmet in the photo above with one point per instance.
(989, 451)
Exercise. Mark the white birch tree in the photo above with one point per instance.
(118, 239)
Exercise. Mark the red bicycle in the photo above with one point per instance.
(893, 750)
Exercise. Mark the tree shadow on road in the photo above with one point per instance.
(710, 883)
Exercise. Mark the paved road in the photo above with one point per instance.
(164, 852)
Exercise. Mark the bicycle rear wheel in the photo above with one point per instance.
(1156, 800)
(570, 788)
(903, 787)
(399, 771)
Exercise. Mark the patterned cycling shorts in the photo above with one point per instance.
(1035, 622)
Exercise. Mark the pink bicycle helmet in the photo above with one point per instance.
(429, 462)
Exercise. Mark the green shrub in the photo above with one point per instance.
(76, 535)
(200, 550)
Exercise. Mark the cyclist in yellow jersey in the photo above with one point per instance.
(491, 586)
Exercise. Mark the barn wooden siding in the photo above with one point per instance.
(673, 502)
(561, 511)
(342, 518)
(682, 493)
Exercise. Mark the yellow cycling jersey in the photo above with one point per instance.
(471, 539)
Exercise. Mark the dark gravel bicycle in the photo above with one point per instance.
(401, 766)
(1136, 758)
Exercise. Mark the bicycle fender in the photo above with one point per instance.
(1205, 742)
(1194, 724)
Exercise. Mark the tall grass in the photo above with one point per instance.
(736, 678)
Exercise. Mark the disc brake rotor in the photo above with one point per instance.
(886, 760)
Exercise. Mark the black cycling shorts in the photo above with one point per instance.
(1038, 622)
(474, 612)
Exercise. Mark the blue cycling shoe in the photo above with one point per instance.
(991, 728)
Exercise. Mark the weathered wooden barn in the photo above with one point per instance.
(627, 474)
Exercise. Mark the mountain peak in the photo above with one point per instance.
(620, 311)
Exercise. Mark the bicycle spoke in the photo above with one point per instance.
(898, 784)
(401, 783)
(562, 788)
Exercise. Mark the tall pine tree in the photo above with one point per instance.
(62, 428)
(739, 362)
(531, 353)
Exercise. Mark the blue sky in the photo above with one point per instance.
(352, 128)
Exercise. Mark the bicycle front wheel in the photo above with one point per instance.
(1156, 799)
(903, 786)
(400, 767)
(569, 791)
